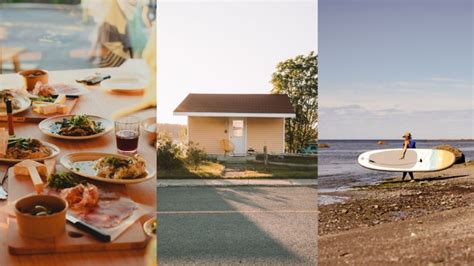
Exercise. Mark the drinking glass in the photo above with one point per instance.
(127, 131)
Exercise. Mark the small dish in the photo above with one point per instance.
(148, 227)
(149, 126)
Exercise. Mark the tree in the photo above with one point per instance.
(298, 78)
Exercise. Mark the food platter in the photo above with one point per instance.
(82, 164)
(126, 84)
(49, 126)
(54, 152)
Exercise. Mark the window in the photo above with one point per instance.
(238, 128)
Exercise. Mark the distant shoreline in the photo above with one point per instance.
(322, 140)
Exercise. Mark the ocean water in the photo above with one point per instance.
(338, 168)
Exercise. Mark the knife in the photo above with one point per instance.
(96, 233)
(3, 192)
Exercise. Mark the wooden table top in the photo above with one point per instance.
(102, 103)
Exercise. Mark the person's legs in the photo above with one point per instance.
(411, 175)
(404, 175)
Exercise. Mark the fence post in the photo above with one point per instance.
(265, 156)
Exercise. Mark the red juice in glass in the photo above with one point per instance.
(127, 141)
(127, 132)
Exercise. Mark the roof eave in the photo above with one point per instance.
(219, 114)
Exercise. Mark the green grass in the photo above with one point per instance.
(259, 170)
(212, 170)
(205, 170)
(296, 159)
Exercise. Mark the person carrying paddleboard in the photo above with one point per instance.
(408, 143)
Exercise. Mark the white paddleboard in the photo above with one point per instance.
(416, 160)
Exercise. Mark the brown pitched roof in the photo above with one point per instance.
(236, 103)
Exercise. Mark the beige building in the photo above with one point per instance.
(243, 122)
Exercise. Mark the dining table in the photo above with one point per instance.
(102, 102)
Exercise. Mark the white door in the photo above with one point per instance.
(237, 134)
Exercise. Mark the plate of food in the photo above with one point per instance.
(126, 84)
(19, 149)
(109, 168)
(76, 127)
(20, 102)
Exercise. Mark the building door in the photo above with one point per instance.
(237, 134)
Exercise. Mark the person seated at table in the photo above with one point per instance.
(123, 32)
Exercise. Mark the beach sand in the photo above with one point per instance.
(429, 222)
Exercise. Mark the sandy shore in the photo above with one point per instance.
(427, 221)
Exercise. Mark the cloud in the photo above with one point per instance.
(435, 93)
(357, 122)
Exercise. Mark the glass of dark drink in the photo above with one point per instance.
(127, 131)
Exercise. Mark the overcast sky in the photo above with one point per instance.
(227, 46)
(390, 66)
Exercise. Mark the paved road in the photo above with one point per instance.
(237, 225)
(53, 36)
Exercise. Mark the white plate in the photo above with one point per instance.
(89, 158)
(45, 127)
(55, 151)
(24, 101)
(124, 84)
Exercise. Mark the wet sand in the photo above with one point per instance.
(427, 221)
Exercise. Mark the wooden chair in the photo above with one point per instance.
(227, 146)
(10, 53)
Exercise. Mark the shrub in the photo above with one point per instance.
(168, 154)
(195, 155)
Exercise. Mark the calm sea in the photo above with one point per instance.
(338, 167)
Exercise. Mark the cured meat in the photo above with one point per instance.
(65, 89)
(81, 197)
(101, 209)
(43, 89)
(108, 213)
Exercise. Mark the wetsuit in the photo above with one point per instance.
(411, 145)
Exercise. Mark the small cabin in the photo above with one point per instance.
(237, 124)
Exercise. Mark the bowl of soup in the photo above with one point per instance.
(32, 76)
(41, 216)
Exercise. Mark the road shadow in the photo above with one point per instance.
(224, 226)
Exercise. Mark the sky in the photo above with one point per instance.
(227, 46)
(390, 66)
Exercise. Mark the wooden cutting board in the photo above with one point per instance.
(132, 238)
(33, 117)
